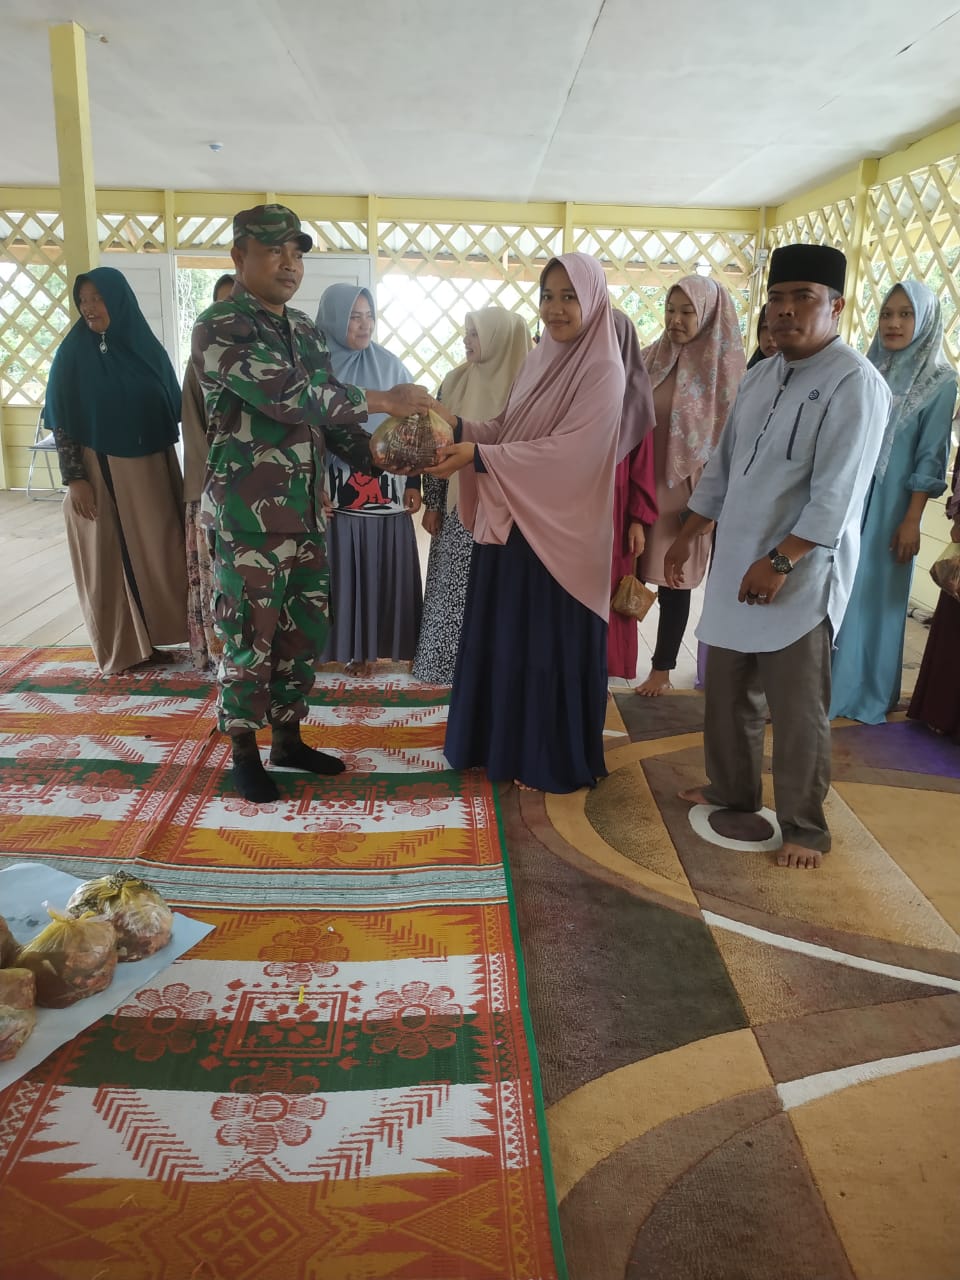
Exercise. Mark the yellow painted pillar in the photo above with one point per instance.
(169, 222)
(857, 261)
(567, 242)
(373, 235)
(71, 104)
(757, 280)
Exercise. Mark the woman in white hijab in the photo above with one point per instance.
(496, 343)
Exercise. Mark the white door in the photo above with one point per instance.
(151, 277)
(319, 271)
(323, 269)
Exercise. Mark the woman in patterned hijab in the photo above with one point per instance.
(695, 367)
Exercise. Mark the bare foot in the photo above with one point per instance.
(693, 796)
(657, 682)
(522, 786)
(358, 668)
(795, 855)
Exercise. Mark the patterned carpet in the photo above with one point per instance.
(750, 1073)
(336, 1083)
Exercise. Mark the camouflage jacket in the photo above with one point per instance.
(273, 408)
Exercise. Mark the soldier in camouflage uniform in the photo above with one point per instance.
(273, 408)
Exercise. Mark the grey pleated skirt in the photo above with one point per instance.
(376, 595)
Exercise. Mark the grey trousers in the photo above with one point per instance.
(796, 682)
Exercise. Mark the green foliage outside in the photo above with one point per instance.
(194, 294)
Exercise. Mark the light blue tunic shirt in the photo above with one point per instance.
(796, 456)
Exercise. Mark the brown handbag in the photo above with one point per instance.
(945, 570)
(632, 598)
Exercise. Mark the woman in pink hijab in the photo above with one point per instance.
(695, 367)
(536, 490)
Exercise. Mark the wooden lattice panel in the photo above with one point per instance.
(643, 265)
(198, 232)
(34, 308)
(912, 231)
(832, 224)
(215, 233)
(432, 274)
(337, 237)
(130, 232)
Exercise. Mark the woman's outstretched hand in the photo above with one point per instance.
(453, 457)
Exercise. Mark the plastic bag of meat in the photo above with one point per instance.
(70, 959)
(8, 944)
(18, 988)
(405, 446)
(142, 919)
(16, 1027)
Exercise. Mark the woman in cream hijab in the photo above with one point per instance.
(496, 343)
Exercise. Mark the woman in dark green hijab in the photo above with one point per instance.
(113, 404)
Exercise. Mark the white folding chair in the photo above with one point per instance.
(43, 446)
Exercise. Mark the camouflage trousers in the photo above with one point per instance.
(270, 604)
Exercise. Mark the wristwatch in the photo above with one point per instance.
(781, 563)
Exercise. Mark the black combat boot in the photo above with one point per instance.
(250, 779)
(291, 752)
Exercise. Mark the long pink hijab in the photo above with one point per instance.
(709, 370)
(550, 455)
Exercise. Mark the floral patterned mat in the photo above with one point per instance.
(337, 1080)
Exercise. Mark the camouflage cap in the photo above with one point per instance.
(271, 224)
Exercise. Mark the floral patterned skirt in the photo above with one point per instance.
(447, 573)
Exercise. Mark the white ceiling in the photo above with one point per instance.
(675, 102)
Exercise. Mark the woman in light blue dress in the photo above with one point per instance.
(908, 350)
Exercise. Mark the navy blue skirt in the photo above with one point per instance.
(530, 686)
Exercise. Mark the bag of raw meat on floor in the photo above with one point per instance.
(70, 959)
(143, 921)
(18, 1016)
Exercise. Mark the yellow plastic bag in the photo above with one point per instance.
(406, 446)
(70, 959)
(945, 571)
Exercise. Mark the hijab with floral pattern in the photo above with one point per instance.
(709, 369)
